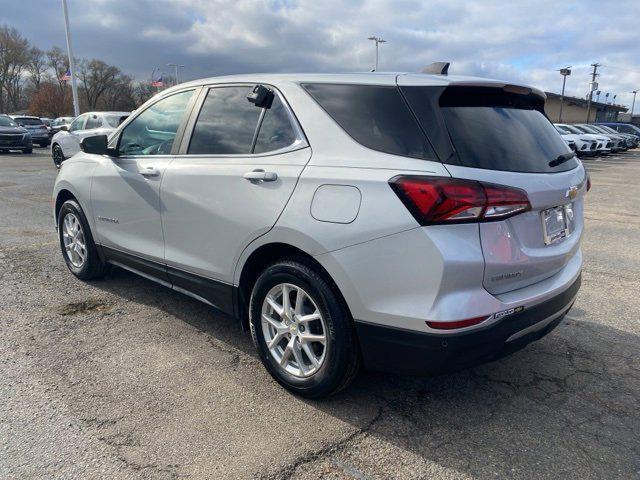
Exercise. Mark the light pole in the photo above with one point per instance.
(633, 104)
(565, 72)
(378, 41)
(72, 66)
(175, 66)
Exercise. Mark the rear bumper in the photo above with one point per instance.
(420, 353)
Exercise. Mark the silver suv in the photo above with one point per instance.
(413, 223)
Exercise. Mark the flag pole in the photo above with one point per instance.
(72, 67)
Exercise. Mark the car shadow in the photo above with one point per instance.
(564, 407)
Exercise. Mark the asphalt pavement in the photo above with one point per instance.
(122, 378)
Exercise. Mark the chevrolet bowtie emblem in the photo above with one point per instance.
(572, 193)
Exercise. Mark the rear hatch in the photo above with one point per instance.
(498, 134)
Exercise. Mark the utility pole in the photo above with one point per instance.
(378, 41)
(72, 66)
(564, 72)
(634, 103)
(592, 86)
(175, 66)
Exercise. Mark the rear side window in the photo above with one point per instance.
(93, 122)
(497, 129)
(32, 122)
(276, 131)
(226, 123)
(374, 116)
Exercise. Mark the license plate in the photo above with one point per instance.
(556, 223)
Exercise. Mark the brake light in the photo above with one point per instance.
(588, 182)
(442, 200)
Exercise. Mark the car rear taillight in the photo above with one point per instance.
(442, 200)
(588, 182)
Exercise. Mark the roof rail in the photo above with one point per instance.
(437, 68)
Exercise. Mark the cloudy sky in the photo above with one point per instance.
(516, 40)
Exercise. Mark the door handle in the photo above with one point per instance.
(149, 172)
(259, 175)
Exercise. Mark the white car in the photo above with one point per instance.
(66, 142)
(579, 143)
(410, 222)
(603, 145)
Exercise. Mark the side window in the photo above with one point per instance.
(153, 131)
(78, 123)
(93, 122)
(276, 131)
(226, 123)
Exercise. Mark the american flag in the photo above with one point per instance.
(67, 76)
(158, 82)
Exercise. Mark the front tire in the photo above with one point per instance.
(302, 330)
(76, 242)
(58, 155)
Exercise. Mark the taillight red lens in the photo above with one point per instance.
(456, 323)
(438, 200)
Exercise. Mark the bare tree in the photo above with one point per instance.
(58, 63)
(36, 66)
(14, 56)
(97, 77)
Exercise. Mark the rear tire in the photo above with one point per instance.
(76, 242)
(337, 360)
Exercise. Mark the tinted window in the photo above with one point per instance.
(28, 121)
(7, 122)
(93, 122)
(375, 116)
(153, 131)
(276, 131)
(226, 123)
(498, 130)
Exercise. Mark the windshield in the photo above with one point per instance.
(497, 129)
(29, 121)
(588, 129)
(115, 120)
(608, 129)
(562, 130)
(572, 129)
(7, 122)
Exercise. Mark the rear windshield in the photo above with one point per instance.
(375, 116)
(29, 121)
(495, 129)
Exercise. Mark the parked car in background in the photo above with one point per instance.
(59, 122)
(581, 145)
(36, 128)
(618, 143)
(631, 140)
(416, 223)
(624, 128)
(13, 136)
(66, 142)
(603, 144)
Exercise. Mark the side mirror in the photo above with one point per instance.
(96, 144)
(64, 127)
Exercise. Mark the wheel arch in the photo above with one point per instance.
(265, 255)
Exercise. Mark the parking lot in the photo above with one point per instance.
(126, 379)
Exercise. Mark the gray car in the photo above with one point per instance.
(13, 136)
(405, 222)
(36, 128)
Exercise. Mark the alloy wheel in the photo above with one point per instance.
(74, 241)
(294, 330)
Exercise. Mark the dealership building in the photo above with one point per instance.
(574, 110)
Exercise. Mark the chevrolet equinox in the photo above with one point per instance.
(410, 223)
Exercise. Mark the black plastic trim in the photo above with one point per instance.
(422, 353)
(219, 294)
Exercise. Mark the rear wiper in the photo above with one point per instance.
(561, 159)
